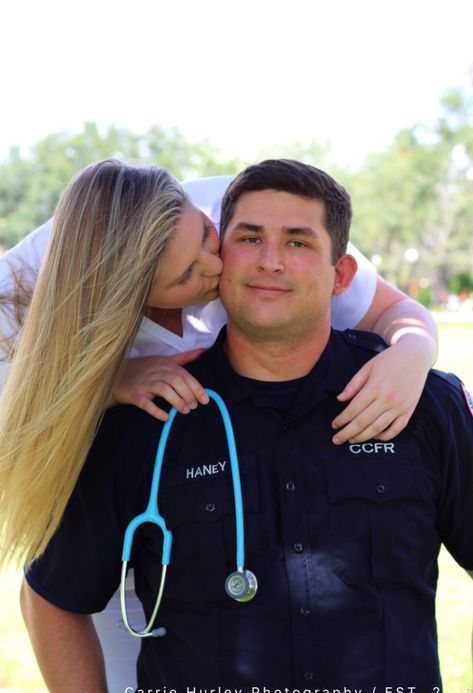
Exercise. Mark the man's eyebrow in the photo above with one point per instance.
(246, 226)
(300, 231)
(290, 230)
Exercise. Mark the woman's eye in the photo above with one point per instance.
(186, 276)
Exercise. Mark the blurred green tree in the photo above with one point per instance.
(31, 185)
(414, 202)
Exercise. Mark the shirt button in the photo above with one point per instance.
(298, 548)
(304, 611)
(210, 507)
(309, 675)
(290, 486)
(380, 488)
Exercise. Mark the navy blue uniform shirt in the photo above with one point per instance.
(343, 540)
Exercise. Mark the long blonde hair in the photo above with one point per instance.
(109, 232)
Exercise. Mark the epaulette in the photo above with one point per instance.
(450, 378)
(365, 340)
(457, 386)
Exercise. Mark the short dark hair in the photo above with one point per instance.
(287, 175)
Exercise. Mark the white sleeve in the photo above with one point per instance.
(25, 257)
(349, 308)
(207, 193)
(23, 260)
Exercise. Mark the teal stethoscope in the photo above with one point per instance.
(241, 584)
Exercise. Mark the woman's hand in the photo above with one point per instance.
(384, 393)
(150, 376)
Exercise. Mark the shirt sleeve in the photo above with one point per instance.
(349, 308)
(25, 257)
(81, 567)
(22, 261)
(455, 454)
(207, 193)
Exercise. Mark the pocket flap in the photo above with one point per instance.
(206, 501)
(375, 481)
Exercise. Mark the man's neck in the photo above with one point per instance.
(274, 360)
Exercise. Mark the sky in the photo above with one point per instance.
(244, 75)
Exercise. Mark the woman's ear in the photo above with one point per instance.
(345, 270)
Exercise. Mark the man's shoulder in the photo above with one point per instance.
(203, 368)
(127, 427)
(448, 386)
(446, 404)
(363, 340)
(126, 432)
(124, 415)
(369, 342)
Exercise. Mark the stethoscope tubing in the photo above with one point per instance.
(152, 515)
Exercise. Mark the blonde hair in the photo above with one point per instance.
(110, 229)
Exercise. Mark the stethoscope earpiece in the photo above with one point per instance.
(159, 632)
(241, 585)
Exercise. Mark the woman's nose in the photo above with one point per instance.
(213, 265)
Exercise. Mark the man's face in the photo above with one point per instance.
(278, 276)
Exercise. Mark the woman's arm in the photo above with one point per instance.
(65, 644)
(385, 392)
(160, 376)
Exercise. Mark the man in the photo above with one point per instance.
(343, 539)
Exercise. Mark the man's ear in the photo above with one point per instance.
(345, 270)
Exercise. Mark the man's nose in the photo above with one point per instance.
(270, 258)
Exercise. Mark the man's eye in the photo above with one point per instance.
(297, 244)
(251, 239)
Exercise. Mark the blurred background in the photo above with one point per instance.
(379, 94)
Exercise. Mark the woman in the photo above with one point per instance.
(112, 226)
(104, 270)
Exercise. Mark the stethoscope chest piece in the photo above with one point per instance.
(241, 585)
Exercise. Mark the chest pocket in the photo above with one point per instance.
(382, 520)
(201, 516)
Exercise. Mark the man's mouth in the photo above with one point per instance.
(265, 289)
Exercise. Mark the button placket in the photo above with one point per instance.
(295, 534)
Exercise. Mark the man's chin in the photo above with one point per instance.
(264, 330)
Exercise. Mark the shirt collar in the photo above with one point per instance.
(328, 376)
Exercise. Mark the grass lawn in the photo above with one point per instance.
(18, 671)
(455, 591)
